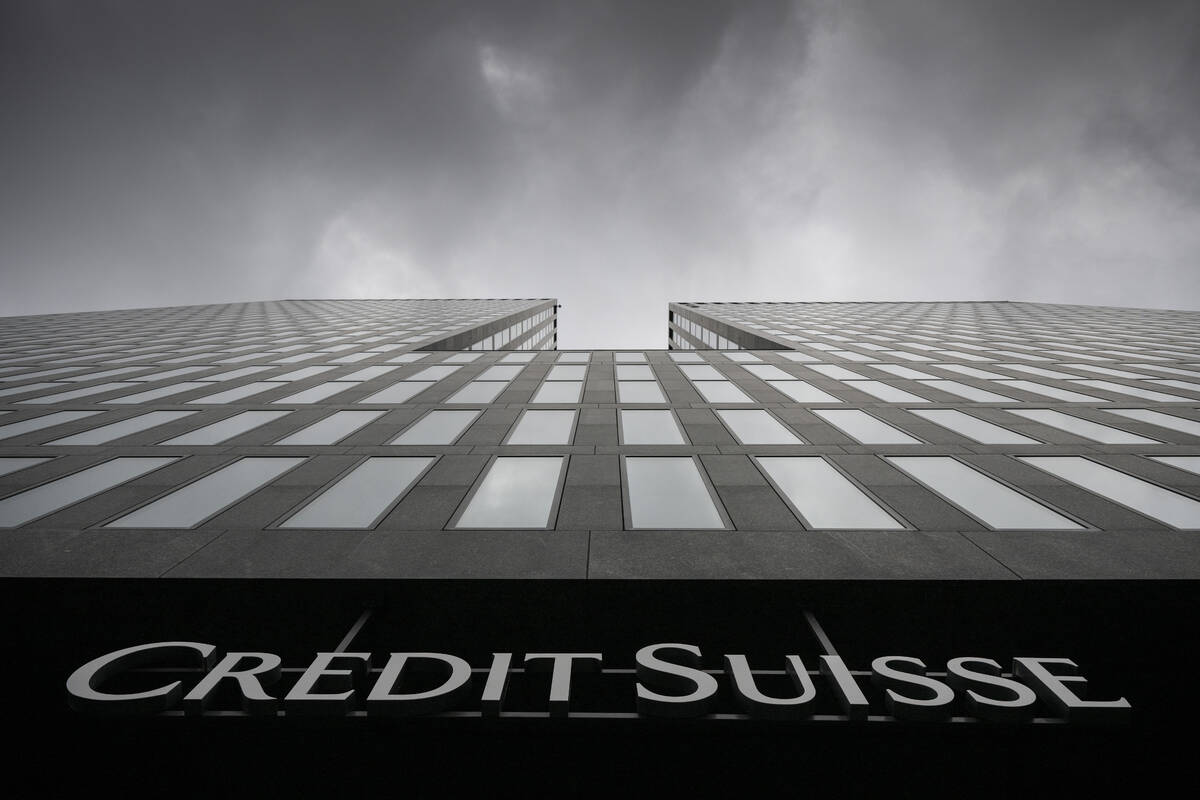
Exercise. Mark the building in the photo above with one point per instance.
(837, 482)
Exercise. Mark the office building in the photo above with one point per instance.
(1007, 483)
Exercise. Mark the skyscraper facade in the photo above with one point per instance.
(1016, 485)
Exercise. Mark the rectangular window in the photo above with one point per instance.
(543, 427)
(196, 502)
(722, 392)
(990, 501)
(801, 358)
(743, 358)
(634, 372)
(1134, 391)
(574, 358)
(558, 392)
(438, 427)
(332, 429)
(398, 392)
(516, 492)
(1168, 421)
(701, 372)
(968, 392)
(1144, 497)
(835, 372)
(235, 394)
(970, 372)
(1081, 427)
(517, 358)
(462, 358)
(669, 493)
(434, 373)
(227, 428)
(823, 497)
(38, 423)
(367, 373)
(756, 426)
(629, 358)
(315, 394)
(886, 392)
(8, 465)
(649, 426)
(1186, 463)
(863, 427)
(364, 495)
(478, 392)
(117, 430)
(803, 392)
(49, 497)
(641, 392)
(566, 373)
(501, 372)
(406, 358)
(301, 374)
(972, 427)
(908, 373)
(72, 395)
(687, 358)
(767, 372)
(1052, 391)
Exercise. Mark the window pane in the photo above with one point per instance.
(518, 358)
(803, 392)
(1142, 496)
(558, 392)
(886, 392)
(501, 372)
(84, 392)
(515, 493)
(1169, 421)
(640, 392)
(228, 428)
(38, 423)
(333, 428)
(755, 426)
(1081, 427)
(315, 394)
(701, 372)
(824, 497)
(721, 392)
(362, 496)
(972, 427)
(116, 430)
(835, 372)
(669, 493)
(196, 502)
(1121, 388)
(367, 373)
(634, 372)
(437, 427)
(742, 358)
(566, 373)
(543, 427)
(968, 392)
(232, 395)
(569, 358)
(650, 427)
(42, 500)
(686, 358)
(434, 373)
(478, 392)
(398, 392)
(1186, 463)
(989, 500)
(8, 465)
(1052, 391)
(863, 427)
(629, 358)
(462, 358)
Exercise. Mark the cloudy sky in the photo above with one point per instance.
(616, 155)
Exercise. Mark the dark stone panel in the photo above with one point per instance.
(594, 470)
(455, 470)
(715, 433)
(596, 434)
(925, 510)
(872, 470)
(1093, 509)
(262, 508)
(269, 554)
(477, 554)
(425, 508)
(97, 553)
(913, 555)
(1094, 555)
(732, 470)
(585, 508)
(757, 508)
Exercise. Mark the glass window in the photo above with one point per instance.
(434, 373)
(1186, 463)
(516, 492)
(235, 394)
(543, 427)
(1169, 421)
(49, 497)
(650, 426)
(742, 358)
(332, 429)
(461, 358)
(574, 358)
(1134, 391)
(558, 392)
(406, 358)
(1081, 427)
(363, 496)
(399, 392)
(117, 430)
(802, 358)
(803, 392)
(768, 372)
(629, 358)
(38, 423)
(835, 372)
(32, 387)
(755, 426)
(1052, 391)
(301, 374)
(517, 358)
(972, 427)
(864, 427)
(969, 392)
(367, 373)
(1142, 496)
(196, 502)
(701, 372)
(721, 392)
(634, 372)
(886, 392)
(961, 369)
(8, 465)
(161, 392)
(997, 505)
(566, 373)
(686, 358)
(228, 428)
(438, 427)
(823, 497)
(669, 493)
(901, 371)
(315, 394)
(87, 391)
(478, 392)
(501, 372)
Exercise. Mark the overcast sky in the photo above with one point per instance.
(615, 155)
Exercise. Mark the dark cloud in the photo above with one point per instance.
(614, 154)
